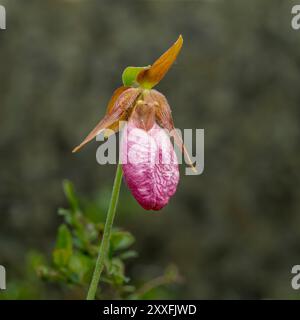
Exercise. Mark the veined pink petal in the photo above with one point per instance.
(150, 165)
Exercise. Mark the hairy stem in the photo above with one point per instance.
(106, 234)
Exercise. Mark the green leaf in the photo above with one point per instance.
(61, 257)
(64, 247)
(70, 194)
(67, 214)
(34, 260)
(64, 238)
(81, 266)
(121, 240)
(116, 271)
(46, 273)
(128, 255)
(130, 74)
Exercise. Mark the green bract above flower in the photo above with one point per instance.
(129, 76)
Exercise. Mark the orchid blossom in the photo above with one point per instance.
(151, 180)
(149, 162)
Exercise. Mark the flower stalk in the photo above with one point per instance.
(103, 251)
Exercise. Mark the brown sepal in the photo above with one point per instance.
(118, 109)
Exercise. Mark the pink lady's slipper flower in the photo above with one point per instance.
(148, 158)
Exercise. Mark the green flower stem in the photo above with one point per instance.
(106, 234)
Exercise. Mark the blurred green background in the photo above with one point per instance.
(234, 231)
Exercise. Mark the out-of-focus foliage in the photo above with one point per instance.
(77, 247)
(74, 258)
(234, 231)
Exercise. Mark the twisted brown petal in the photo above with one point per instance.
(165, 120)
(118, 109)
(115, 97)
